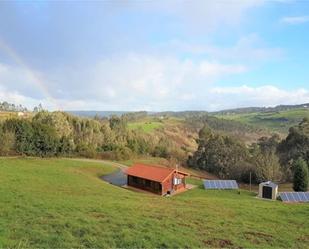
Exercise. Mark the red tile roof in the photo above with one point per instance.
(154, 173)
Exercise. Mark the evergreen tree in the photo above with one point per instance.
(301, 176)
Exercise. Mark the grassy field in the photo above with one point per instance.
(150, 124)
(146, 126)
(62, 203)
(274, 121)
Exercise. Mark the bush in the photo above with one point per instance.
(123, 153)
(86, 150)
(300, 182)
(7, 142)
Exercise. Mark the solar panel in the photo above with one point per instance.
(207, 184)
(220, 184)
(294, 196)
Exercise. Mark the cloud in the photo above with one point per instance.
(295, 19)
(249, 48)
(143, 82)
(124, 82)
(16, 98)
(146, 82)
(203, 16)
(267, 95)
(18, 79)
(134, 80)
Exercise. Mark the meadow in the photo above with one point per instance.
(63, 203)
(279, 121)
(145, 126)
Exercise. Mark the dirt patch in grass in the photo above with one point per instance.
(304, 238)
(218, 243)
(258, 237)
(97, 215)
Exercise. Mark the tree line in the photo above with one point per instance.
(270, 158)
(61, 134)
(9, 107)
(49, 134)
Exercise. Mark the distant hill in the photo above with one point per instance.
(278, 119)
(250, 120)
(101, 114)
(261, 109)
(190, 113)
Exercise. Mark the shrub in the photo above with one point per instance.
(300, 182)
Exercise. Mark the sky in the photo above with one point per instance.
(154, 55)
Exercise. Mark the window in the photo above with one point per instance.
(177, 181)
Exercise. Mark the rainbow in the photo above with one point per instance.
(35, 77)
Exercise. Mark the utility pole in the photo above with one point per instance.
(250, 181)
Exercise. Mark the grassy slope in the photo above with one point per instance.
(172, 128)
(274, 121)
(145, 125)
(62, 203)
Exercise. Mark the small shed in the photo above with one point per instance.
(268, 190)
(156, 179)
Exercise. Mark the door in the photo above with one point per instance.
(267, 192)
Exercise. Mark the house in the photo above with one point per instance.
(268, 190)
(156, 179)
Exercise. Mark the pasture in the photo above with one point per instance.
(146, 126)
(279, 121)
(62, 203)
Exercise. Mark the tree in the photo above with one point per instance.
(205, 133)
(38, 108)
(295, 145)
(23, 132)
(265, 159)
(267, 166)
(221, 155)
(118, 124)
(269, 144)
(45, 140)
(300, 182)
(58, 120)
(66, 146)
(7, 141)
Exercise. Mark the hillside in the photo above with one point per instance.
(275, 121)
(63, 204)
(262, 109)
(249, 123)
(183, 128)
(92, 114)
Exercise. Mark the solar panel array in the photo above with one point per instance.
(294, 196)
(220, 184)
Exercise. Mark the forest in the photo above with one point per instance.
(270, 158)
(211, 144)
(49, 134)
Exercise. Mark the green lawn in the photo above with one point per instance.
(62, 203)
